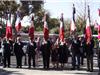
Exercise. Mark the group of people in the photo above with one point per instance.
(57, 52)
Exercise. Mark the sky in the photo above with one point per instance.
(56, 7)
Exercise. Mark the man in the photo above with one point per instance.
(83, 51)
(76, 53)
(37, 40)
(1, 50)
(45, 48)
(31, 52)
(63, 53)
(98, 54)
(18, 50)
(89, 55)
(7, 48)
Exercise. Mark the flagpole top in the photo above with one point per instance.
(73, 4)
(62, 14)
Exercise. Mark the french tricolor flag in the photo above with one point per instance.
(73, 26)
(31, 28)
(88, 33)
(9, 28)
(61, 32)
(18, 22)
(45, 30)
(99, 24)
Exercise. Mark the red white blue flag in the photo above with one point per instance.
(18, 22)
(45, 30)
(9, 28)
(61, 32)
(31, 28)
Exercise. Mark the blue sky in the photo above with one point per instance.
(56, 7)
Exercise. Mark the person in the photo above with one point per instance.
(82, 50)
(7, 49)
(31, 52)
(54, 55)
(1, 50)
(98, 53)
(66, 45)
(37, 40)
(45, 48)
(89, 54)
(63, 53)
(18, 50)
(75, 53)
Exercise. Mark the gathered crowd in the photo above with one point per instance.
(56, 52)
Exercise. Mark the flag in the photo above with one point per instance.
(88, 32)
(61, 31)
(99, 25)
(72, 26)
(31, 28)
(18, 22)
(8, 28)
(45, 30)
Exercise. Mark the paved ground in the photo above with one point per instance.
(14, 71)
(39, 71)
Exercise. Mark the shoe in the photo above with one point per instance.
(29, 67)
(78, 68)
(33, 66)
(17, 66)
(91, 70)
(4, 66)
(20, 67)
(99, 69)
(88, 70)
(8, 66)
(72, 68)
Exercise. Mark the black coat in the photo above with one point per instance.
(7, 48)
(45, 48)
(31, 49)
(54, 55)
(63, 50)
(76, 47)
(89, 48)
(18, 49)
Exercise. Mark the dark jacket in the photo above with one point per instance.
(45, 48)
(89, 48)
(7, 48)
(31, 49)
(76, 47)
(63, 53)
(18, 49)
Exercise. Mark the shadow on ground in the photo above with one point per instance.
(5, 72)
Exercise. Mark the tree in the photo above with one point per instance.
(37, 5)
(6, 6)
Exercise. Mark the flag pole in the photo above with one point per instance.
(73, 27)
